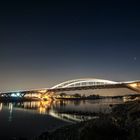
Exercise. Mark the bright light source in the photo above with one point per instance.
(13, 95)
(18, 94)
(133, 85)
(43, 91)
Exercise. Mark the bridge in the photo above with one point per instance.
(77, 84)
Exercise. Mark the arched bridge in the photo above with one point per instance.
(79, 84)
(83, 82)
(92, 83)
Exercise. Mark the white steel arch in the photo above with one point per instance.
(83, 82)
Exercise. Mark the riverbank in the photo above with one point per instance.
(122, 123)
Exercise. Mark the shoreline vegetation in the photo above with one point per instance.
(64, 96)
(16, 99)
(122, 123)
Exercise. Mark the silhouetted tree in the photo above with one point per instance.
(63, 94)
(77, 95)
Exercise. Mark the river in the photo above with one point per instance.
(30, 119)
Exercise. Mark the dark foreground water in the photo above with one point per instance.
(30, 119)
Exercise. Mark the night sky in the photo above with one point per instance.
(44, 43)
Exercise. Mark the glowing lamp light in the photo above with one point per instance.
(13, 95)
(133, 85)
(18, 94)
(43, 91)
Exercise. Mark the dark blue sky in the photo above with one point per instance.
(43, 43)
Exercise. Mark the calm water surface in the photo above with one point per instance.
(29, 119)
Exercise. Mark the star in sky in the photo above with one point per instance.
(135, 58)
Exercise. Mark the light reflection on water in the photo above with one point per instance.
(66, 110)
(32, 118)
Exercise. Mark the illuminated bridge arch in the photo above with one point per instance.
(83, 82)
